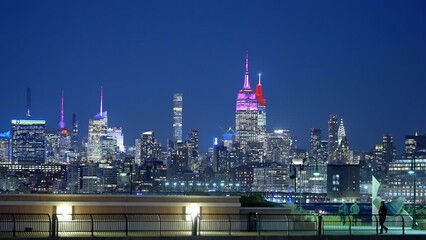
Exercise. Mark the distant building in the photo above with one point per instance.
(220, 159)
(5, 147)
(28, 143)
(74, 132)
(246, 113)
(261, 116)
(333, 126)
(315, 143)
(97, 129)
(341, 154)
(401, 180)
(415, 146)
(150, 148)
(117, 134)
(271, 179)
(343, 182)
(279, 144)
(177, 116)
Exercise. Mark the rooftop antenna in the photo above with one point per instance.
(246, 76)
(62, 122)
(28, 102)
(102, 94)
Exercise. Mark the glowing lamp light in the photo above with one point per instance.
(192, 211)
(64, 212)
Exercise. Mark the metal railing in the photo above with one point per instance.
(122, 224)
(149, 224)
(22, 225)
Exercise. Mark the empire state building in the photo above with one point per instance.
(246, 113)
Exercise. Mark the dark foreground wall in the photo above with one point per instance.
(337, 237)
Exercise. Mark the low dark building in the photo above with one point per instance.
(343, 182)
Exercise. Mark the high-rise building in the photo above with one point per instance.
(333, 143)
(341, 155)
(415, 146)
(97, 129)
(279, 144)
(315, 143)
(246, 113)
(5, 147)
(261, 115)
(28, 143)
(117, 134)
(177, 116)
(74, 131)
(150, 148)
(64, 138)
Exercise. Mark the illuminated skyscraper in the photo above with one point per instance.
(64, 140)
(117, 134)
(333, 126)
(28, 143)
(177, 116)
(315, 143)
(341, 155)
(261, 115)
(74, 131)
(246, 113)
(97, 129)
(150, 149)
(5, 147)
(280, 142)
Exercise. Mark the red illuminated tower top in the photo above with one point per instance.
(259, 94)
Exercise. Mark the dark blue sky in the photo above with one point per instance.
(362, 60)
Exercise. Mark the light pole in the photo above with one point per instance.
(413, 172)
(301, 162)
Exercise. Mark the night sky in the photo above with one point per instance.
(362, 60)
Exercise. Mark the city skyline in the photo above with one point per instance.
(365, 68)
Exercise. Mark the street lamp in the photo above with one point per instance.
(300, 162)
(413, 172)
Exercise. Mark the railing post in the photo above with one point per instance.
(54, 225)
(127, 225)
(159, 217)
(93, 227)
(50, 226)
(230, 225)
(319, 224)
(14, 225)
(403, 224)
(194, 225)
(258, 224)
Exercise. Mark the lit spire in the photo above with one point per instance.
(102, 94)
(246, 76)
(62, 107)
(341, 133)
(62, 122)
(260, 76)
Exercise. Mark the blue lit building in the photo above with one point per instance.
(5, 146)
(28, 142)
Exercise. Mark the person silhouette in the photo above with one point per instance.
(383, 210)
(343, 211)
(354, 210)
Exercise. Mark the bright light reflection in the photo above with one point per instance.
(64, 212)
(192, 211)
